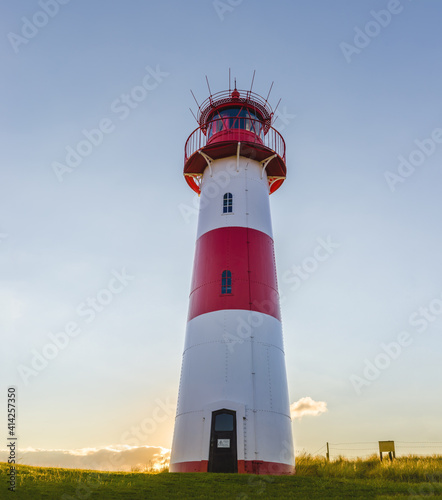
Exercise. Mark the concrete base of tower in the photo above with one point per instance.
(244, 467)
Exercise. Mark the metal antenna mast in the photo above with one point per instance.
(253, 79)
(268, 95)
(194, 116)
(210, 92)
(199, 107)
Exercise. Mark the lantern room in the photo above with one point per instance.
(235, 123)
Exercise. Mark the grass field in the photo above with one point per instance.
(414, 477)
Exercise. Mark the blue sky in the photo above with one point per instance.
(125, 209)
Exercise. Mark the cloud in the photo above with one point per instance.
(110, 458)
(306, 406)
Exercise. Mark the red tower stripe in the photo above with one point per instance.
(244, 467)
(248, 254)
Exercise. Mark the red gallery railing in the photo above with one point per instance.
(245, 130)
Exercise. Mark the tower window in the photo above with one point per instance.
(224, 422)
(226, 282)
(228, 203)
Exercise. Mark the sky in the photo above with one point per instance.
(98, 227)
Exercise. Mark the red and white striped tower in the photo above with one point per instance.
(233, 409)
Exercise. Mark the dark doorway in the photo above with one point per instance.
(223, 456)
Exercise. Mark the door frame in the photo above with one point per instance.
(234, 440)
(240, 410)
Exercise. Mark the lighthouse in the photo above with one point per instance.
(233, 412)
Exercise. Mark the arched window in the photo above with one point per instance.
(228, 203)
(226, 282)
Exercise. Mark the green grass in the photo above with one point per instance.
(413, 477)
